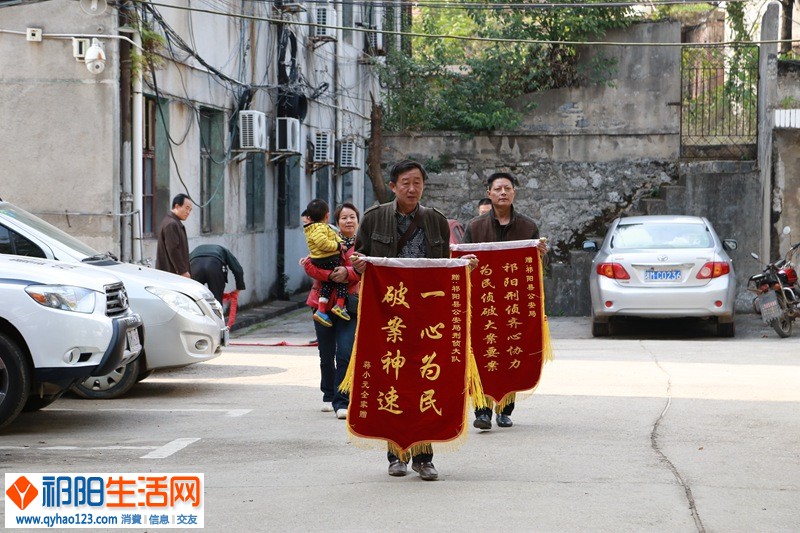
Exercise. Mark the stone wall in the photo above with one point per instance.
(786, 165)
(590, 154)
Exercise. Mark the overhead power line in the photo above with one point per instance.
(528, 6)
(462, 37)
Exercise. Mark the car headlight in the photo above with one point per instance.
(178, 301)
(64, 297)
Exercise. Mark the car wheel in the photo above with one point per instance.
(14, 380)
(108, 386)
(726, 329)
(37, 402)
(600, 329)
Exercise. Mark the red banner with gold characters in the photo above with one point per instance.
(510, 337)
(409, 373)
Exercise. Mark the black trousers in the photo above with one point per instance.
(507, 410)
(421, 458)
(212, 272)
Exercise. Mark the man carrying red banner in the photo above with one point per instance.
(403, 228)
(501, 224)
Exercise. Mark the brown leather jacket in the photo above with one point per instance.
(172, 253)
(485, 228)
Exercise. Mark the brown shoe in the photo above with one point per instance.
(426, 471)
(397, 468)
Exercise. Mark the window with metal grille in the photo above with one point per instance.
(155, 165)
(255, 182)
(212, 171)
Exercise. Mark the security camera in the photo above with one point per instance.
(95, 57)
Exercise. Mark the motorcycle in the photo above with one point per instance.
(777, 293)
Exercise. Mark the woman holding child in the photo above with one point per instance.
(335, 341)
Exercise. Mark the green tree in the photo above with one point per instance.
(463, 85)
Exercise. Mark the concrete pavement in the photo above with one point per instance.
(661, 428)
(640, 432)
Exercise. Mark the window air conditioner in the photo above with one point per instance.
(323, 147)
(287, 135)
(325, 18)
(288, 6)
(348, 155)
(252, 130)
(375, 44)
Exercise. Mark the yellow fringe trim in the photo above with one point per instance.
(474, 386)
(473, 391)
(547, 347)
(347, 382)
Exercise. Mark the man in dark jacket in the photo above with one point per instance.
(172, 252)
(210, 265)
(386, 231)
(501, 223)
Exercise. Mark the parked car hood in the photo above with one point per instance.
(150, 277)
(35, 270)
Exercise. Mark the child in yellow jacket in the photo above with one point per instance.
(325, 251)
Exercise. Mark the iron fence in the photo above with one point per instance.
(719, 102)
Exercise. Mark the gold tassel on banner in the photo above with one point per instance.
(547, 348)
(347, 382)
(507, 400)
(474, 387)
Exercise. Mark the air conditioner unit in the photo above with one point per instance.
(375, 44)
(252, 130)
(325, 18)
(287, 135)
(323, 147)
(288, 6)
(348, 155)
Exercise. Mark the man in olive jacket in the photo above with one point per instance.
(384, 232)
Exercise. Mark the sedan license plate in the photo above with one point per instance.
(134, 344)
(662, 275)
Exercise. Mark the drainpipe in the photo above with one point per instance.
(137, 144)
(767, 95)
(136, 155)
(336, 179)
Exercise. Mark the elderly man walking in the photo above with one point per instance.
(404, 228)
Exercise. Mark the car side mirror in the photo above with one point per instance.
(730, 244)
(589, 246)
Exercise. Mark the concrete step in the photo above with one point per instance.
(654, 206)
(256, 315)
(675, 199)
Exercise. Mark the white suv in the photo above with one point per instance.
(59, 324)
(184, 321)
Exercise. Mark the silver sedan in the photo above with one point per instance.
(662, 267)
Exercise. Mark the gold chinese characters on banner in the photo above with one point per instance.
(510, 337)
(410, 373)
